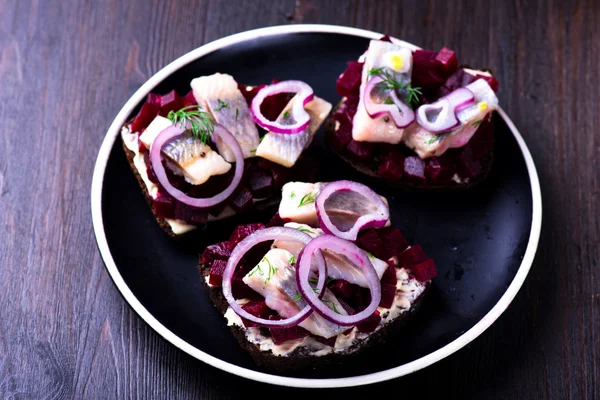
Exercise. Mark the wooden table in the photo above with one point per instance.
(67, 67)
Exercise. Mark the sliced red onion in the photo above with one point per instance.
(263, 235)
(159, 170)
(354, 254)
(299, 114)
(400, 112)
(346, 207)
(441, 115)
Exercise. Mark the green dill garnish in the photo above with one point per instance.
(236, 113)
(301, 229)
(292, 259)
(327, 301)
(297, 297)
(272, 269)
(199, 121)
(389, 82)
(370, 256)
(388, 100)
(307, 199)
(292, 195)
(437, 138)
(253, 151)
(255, 270)
(286, 113)
(476, 123)
(222, 105)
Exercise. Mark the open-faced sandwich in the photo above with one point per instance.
(222, 149)
(414, 117)
(326, 279)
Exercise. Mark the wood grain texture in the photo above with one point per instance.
(67, 67)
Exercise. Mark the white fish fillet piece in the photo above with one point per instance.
(338, 266)
(365, 128)
(157, 125)
(428, 144)
(275, 279)
(298, 202)
(285, 149)
(219, 94)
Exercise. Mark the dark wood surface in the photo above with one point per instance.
(67, 67)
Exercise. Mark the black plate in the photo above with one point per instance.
(478, 238)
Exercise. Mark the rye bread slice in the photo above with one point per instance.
(300, 359)
(369, 167)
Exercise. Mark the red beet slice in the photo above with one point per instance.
(329, 342)
(190, 214)
(467, 164)
(414, 169)
(259, 309)
(349, 82)
(241, 199)
(369, 240)
(147, 113)
(440, 170)
(276, 221)
(170, 102)
(241, 290)
(340, 139)
(306, 168)
(389, 276)
(164, 206)
(446, 58)
(153, 98)
(370, 324)
(457, 80)
(216, 272)
(342, 289)
(189, 99)
(361, 150)
(281, 335)
(424, 271)
(279, 173)
(388, 294)
(412, 256)
(217, 251)
(261, 184)
(391, 167)
(393, 241)
(483, 140)
(242, 231)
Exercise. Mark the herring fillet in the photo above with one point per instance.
(220, 95)
(285, 149)
(275, 279)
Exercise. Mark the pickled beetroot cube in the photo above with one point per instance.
(328, 342)
(340, 139)
(446, 58)
(170, 102)
(369, 240)
(348, 83)
(424, 271)
(189, 99)
(457, 80)
(361, 299)
(149, 170)
(386, 38)
(241, 290)
(361, 150)
(483, 139)
(258, 308)
(242, 231)
(440, 170)
(217, 209)
(279, 173)
(147, 113)
(370, 324)
(427, 71)
(490, 80)
(164, 206)
(153, 98)
(342, 289)
(261, 184)
(217, 251)
(412, 256)
(391, 167)
(414, 169)
(249, 94)
(276, 221)
(190, 214)
(216, 272)
(389, 275)
(306, 168)
(388, 294)
(467, 165)
(281, 335)
(393, 241)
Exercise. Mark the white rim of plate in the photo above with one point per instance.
(456, 344)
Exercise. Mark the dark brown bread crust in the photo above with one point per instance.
(370, 167)
(300, 359)
(161, 221)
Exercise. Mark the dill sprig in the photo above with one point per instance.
(436, 138)
(201, 125)
(307, 199)
(302, 229)
(389, 82)
(222, 105)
